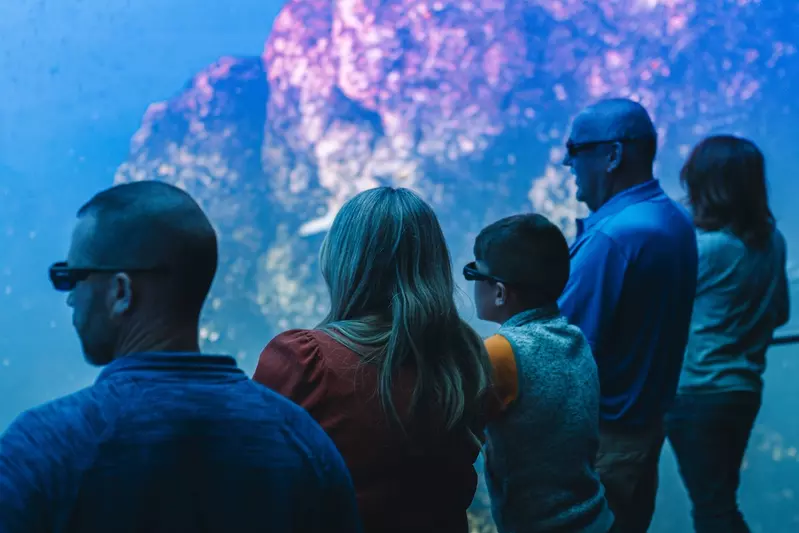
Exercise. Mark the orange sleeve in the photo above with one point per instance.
(506, 380)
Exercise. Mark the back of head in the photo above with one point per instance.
(151, 224)
(389, 273)
(530, 253)
(628, 121)
(725, 179)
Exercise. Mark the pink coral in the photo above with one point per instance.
(467, 102)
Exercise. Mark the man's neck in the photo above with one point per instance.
(621, 184)
(158, 339)
(624, 183)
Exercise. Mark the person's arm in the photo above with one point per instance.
(24, 503)
(782, 299)
(292, 365)
(592, 293)
(505, 377)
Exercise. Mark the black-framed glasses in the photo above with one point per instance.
(573, 148)
(64, 278)
(471, 273)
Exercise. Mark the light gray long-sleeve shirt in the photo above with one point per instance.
(741, 298)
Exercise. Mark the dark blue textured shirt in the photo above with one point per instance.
(172, 443)
(631, 291)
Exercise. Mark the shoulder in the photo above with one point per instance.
(297, 428)
(502, 355)
(297, 339)
(720, 246)
(294, 347)
(305, 341)
(59, 422)
(549, 336)
(779, 240)
(574, 341)
(660, 217)
(281, 412)
(607, 236)
(53, 436)
(304, 365)
(505, 375)
(606, 243)
(719, 239)
(294, 437)
(309, 348)
(498, 347)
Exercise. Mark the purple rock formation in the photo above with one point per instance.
(208, 140)
(459, 92)
(467, 102)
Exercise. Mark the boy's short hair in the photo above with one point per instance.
(530, 253)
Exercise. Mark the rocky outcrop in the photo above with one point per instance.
(466, 102)
(208, 139)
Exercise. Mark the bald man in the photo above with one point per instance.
(631, 291)
(167, 439)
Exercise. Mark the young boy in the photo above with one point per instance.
(541, 448)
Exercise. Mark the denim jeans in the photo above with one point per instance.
(709, 434)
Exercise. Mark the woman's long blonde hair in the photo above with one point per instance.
(389, 273)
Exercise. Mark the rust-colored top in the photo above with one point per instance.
(413, 481)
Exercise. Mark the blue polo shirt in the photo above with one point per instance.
(631, 291)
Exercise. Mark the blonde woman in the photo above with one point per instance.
(393, 374)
